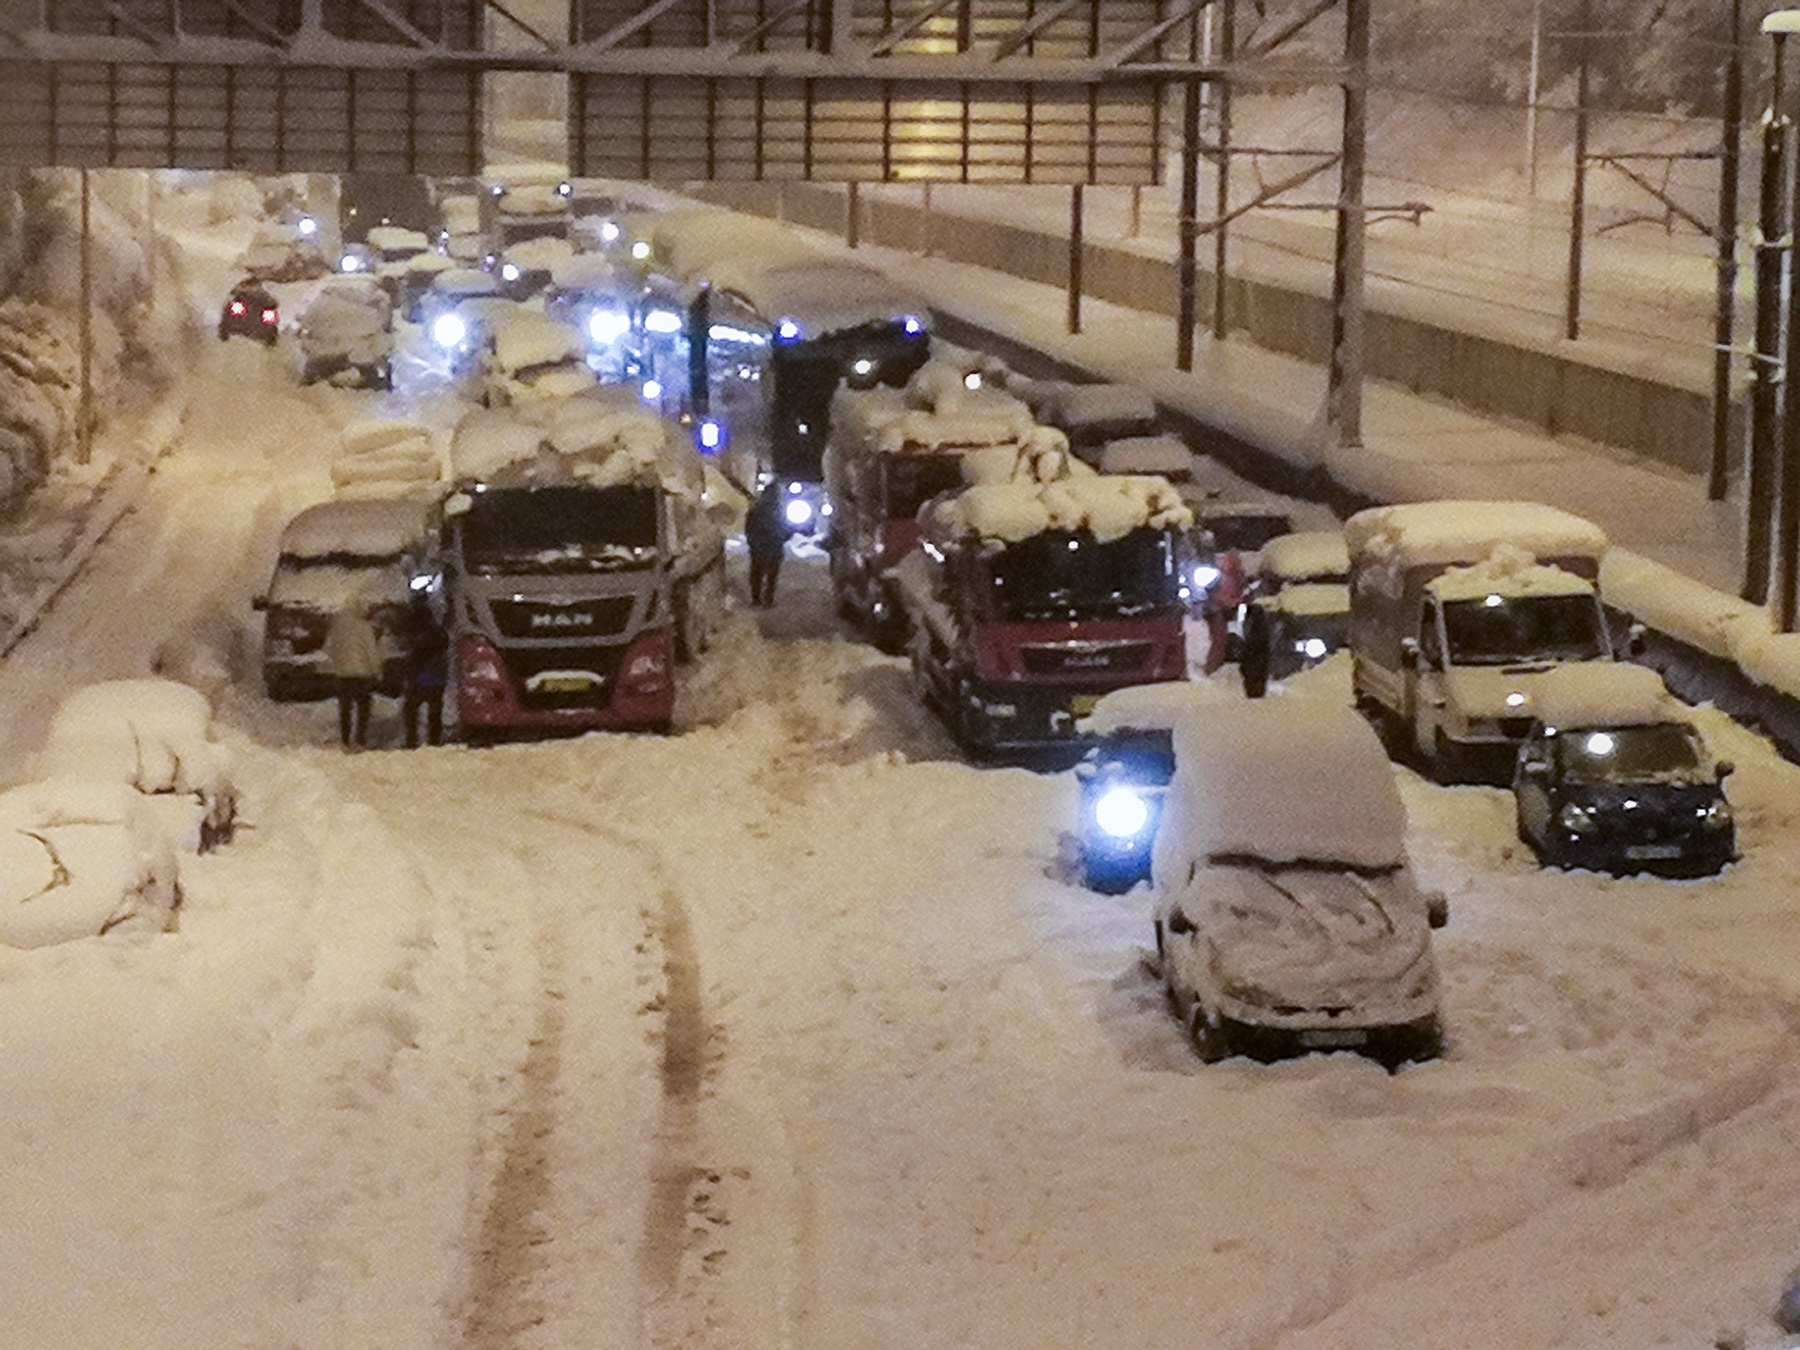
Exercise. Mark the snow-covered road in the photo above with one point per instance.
(791, 1030)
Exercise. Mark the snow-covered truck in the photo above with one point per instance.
(892, 450)
(1457, 610)
(580, 562)
(1037, 591)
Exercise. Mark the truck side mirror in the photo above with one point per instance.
(1412, 653)
(1437, 909)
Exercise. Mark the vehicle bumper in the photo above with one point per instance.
(1000, 718)
(1388, 1043)
(1692, 856)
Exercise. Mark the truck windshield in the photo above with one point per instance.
(1064, 575)
(1501, 630)
(912, 480)
(1630, 754)
(559, 529)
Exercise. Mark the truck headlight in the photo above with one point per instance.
(1205, 577)
(1576, 818)
(799, 512)
(1312, 648)
(606, 326)
(448, 331)
(1121, 812)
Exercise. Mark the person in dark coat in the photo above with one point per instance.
(427, 672)
(765, 535)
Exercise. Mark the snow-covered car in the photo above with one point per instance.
(251, 311)
(378, 549)
(1287, 917)
(526, 268)
(81, 857)
(1297, 612)
(1125, 774)
(346, 332)
(280, 252)
(534, 359)
(459, 312)
(1614, 776)
(154, 736)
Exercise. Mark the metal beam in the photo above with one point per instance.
(637, 22)
(1153, 35)
(1016, 40)
(770, 24)
(895, 36)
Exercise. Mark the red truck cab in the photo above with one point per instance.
(1029, 600)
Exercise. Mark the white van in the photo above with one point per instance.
(1287, 916)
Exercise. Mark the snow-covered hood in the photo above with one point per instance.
(1294, 941)
(1488, 692)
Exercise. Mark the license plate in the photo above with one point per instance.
(1083, 704)
(1645, 852)
(1333, 1039)
(562, 684)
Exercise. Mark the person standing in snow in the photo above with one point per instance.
(427, 672)
(765, 535)
(354, 659)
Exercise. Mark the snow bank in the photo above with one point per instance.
(39, 382)
(1283, 780)
(1441, 532)
(385, 456)
(153, 735)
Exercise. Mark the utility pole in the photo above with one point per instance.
(1725, 322)
(85, 410)
(1344, 375)
(1222, 196)
(1578, 197)
(1765, 371)
(1076, 229)
(1188, 227)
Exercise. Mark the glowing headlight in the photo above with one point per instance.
(712, 436)
(449, 331)
(640, 250)
(972, 380)
(863, 366)
(913, 325)
(1576, 818)
(1714, 815)
(509, 272)
(652, 390)
(609, 233)
(1206, 576)
(662, 321)
(1313, 649)
(1515, 700)
(787, 330)
(607, 326)
(1121, 812)
(798, 511)
(349, 263)
(307, 226)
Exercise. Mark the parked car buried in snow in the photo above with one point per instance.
(155, 736)
(1614, 776)
(82, 857)
(379, 549)
(534, 359)
(1298, 610)
(346, 333)
(1287, 916)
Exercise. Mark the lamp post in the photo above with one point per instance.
(1787, 494)
(1765, 388)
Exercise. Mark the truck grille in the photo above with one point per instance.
(595, 616)
(1085, 658)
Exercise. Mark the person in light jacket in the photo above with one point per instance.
(354, 658)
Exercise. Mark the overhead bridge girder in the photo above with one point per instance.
(1066, 91)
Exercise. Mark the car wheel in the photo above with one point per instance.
(1207, 1035)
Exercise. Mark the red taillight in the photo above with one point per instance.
(480, 673)
(237, 309)
(647, 666)
(269, 317)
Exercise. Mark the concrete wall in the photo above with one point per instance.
(1536, 385)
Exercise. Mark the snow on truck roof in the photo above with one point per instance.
(1108, 506)
(604, 437)
(1604, 694)
(1509, 571)
(1427, 533)
(1307, 555)
(936, 411)
(373, 527)
(781, 275)
(1283, 780)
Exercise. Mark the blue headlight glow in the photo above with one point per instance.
(712, 436)
(787, 331)
(1121, 812)
(1206, 576)
(798, 511)
(449, 330)
(606, 326)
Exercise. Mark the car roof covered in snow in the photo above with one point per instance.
(1447, 532)
(1167, 456)
(534, 339)
(1154, 707)
(1604, 694)
(371, 527)
(1306, 555)
(1282, 780)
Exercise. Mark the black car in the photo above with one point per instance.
(1122, 780)
(1623, 787)
(250, 311)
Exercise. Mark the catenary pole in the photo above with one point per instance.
(1344, 375)
(1725, 321)
(1188, 227)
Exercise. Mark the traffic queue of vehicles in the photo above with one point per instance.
(1048, 559)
